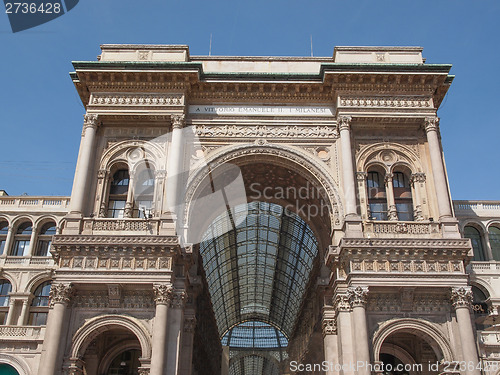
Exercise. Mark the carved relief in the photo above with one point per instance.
(357, 295)
(267, 131)
(115, 99)
(163, 294)
(387, 102)
(461, 297)
(60, 293)
(329, 326)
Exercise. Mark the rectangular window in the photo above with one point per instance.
(21, 248)
(142, 206)
(378, 211)
(116, 209)
(43, 248)
(405, 211)
(38, 319)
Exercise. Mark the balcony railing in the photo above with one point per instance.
(21, 332)
(26, 261)
(483, 267)
(407, 229)
(24, 203)
(490, 338)
(477, 208)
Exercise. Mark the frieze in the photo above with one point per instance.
(108, 261)
(386, 102)
(267, 131)
(123, 99)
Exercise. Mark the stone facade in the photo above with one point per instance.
(398, 274)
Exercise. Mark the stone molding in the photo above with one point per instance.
(357, 296)
(60, 293)
(461, 297)
(163, 294)
(125, 99)
(268, 131)
(393, 102)
(417, 177)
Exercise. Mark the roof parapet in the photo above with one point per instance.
(381, 55)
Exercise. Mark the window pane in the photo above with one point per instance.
(20, 248)
(48, 229)
(43, 248)
(4, 228)
(494, 234)
(477, 245)
(25, 228)
(2, 246)
(405, 211)
(378, 211)
(116, 208)
(38, 319)
(119, 184)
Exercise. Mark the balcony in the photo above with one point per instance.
(34, 204)
(131, 226)
(483, 267)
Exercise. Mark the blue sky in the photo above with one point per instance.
(41, 113)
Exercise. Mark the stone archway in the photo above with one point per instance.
(411, 342)
(15, 363)
(101, 339)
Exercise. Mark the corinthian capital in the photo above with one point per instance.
(329, 326)
(341, 302)
(431, 124)
(358, 295)
(344, 122)
(178, 299)
(162, 294)
(60, 293)
(90, 120)
(177, 121)
(461, 297)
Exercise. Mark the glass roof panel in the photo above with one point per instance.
(259, 269)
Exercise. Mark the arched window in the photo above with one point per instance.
(45, 239)
(377, 197)
(4, 230)
(143, 193)
(402, 196)
(477, 243)
(40, 305)
(22, 240)
(118, 194)
(5, 288)
(494, 234)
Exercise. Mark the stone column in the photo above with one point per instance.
(363, 197)
(415, 179)
(50, 362)
(8, 241)
(103, 187)
(174, 163)
(345, 332)
(163, 297)
(461, 300)
(129, 204)
(330, 340)
(358, 302)
(487, 246)
(32, 246)
(85, 157)
(158, 195)
(344, 123)
(187, 344)
(176, 319)
(10, 315)
(392, 213)
(23, 318)
(440, 184)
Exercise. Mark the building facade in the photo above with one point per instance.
(253, 215)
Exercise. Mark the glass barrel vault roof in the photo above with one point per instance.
(258, 270)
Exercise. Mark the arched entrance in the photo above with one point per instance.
(260, 255)
(111, 345)
(410, 346)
